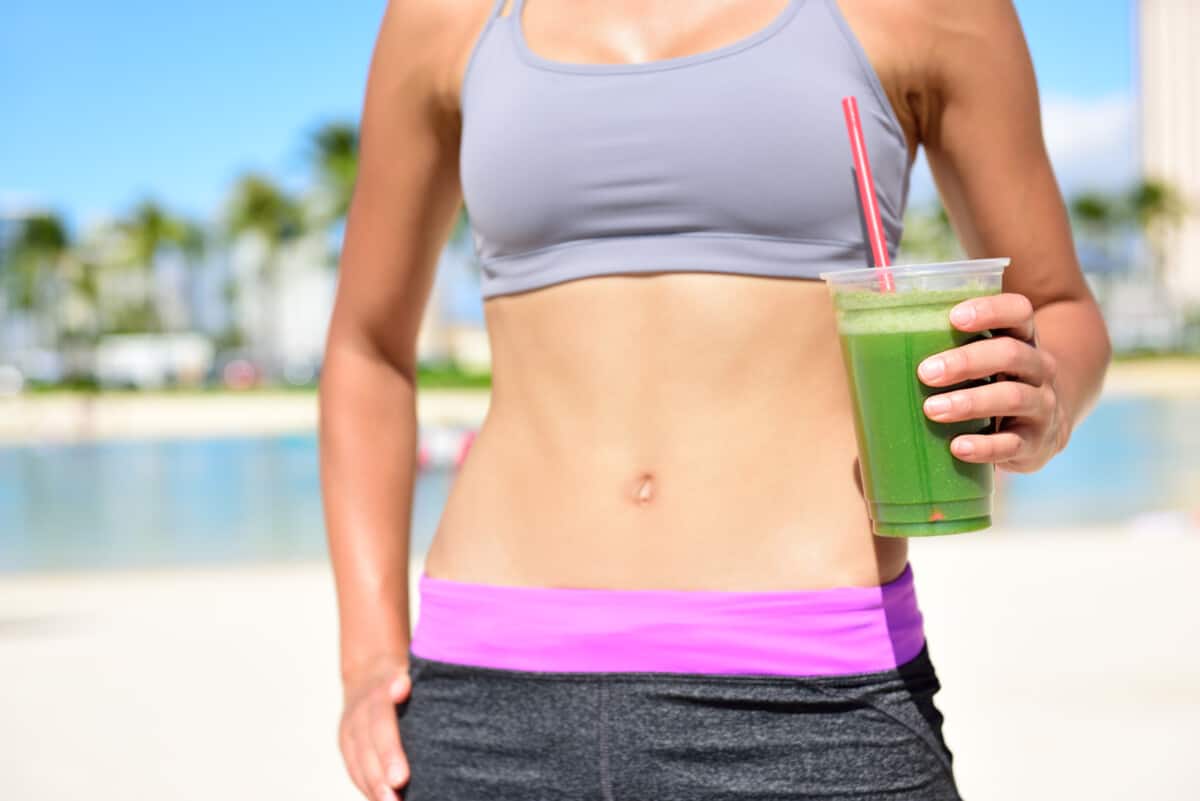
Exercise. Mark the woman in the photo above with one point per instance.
(655, 577)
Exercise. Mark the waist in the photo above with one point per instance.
(708, 252)
(690, 503)
(678, 431)
(839, 631)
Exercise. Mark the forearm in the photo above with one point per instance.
(1074, 333)
(368, 443)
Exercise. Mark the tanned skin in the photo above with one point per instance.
(682, 430)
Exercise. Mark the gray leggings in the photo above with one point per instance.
(475, 733)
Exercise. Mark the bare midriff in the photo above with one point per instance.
(674, 431)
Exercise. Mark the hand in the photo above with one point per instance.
(1032, 426)
(369, 735)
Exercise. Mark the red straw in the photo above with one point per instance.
(866, 190)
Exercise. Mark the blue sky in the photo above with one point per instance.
(105, 103)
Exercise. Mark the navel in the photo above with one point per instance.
(644, 488)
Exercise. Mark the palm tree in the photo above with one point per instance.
(193, 245)
(1096, 210)
(333, 151)
(148, 228)
(1155, 208)
(37, 267)
(1099, 219)
(41, 242)
(260, 207)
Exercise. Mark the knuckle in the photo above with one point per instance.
(1049, 364)
(397, 764)
(962, 402)
(372, 775)
(1013, 350)
(1050, 400)
(399, 772)
(1012, 396)
(952, 361)
(387, 741)
(1034, 368)
(1031, 398)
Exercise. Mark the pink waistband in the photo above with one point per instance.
(792, 633)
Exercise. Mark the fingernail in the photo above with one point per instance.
(962, 315)
(964, 447)
(386, 794)
(932, 368)
(937, 405)
(395, 774)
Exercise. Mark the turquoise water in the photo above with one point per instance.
(222, 500)
(1131, 456)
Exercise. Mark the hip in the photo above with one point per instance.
(478, 732)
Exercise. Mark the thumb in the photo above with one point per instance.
(399, 686)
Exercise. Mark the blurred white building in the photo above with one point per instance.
(1169, 45)
(442, 336)
(150, 361)
(294, 324)
(307, 285)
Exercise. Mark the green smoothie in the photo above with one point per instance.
(914, 485)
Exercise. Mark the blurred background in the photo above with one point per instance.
(173, 186)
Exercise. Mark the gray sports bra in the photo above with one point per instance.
(732, 160)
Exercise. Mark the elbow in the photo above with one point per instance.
(1106, 346)
(1103, 340)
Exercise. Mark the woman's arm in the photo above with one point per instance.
(981, 128)
(404, 203)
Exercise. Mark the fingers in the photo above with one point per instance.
(370, 740)
(400, 687)
(350, 757)
(1008, 313)
(985, 358)
(1001, 399)
(376, 787)
(981, 448)
(385, 741)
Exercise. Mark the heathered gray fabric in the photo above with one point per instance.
(732, 160)
(483, 733)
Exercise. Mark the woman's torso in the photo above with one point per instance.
(669, 430)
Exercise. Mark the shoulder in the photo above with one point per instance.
(430, 43)
(933, 54)
(950, 17)
(963, 39)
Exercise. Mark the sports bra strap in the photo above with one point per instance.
(497, 5)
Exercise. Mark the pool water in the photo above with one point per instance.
(222, 500)
(1132, 456)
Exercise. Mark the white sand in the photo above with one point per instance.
(72, 417)
(68, 417)
(1070, 663)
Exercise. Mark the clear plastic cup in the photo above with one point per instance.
(914, 486)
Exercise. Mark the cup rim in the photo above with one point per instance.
(961, 266)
